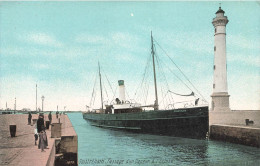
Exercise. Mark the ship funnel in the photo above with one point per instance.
(121, 90)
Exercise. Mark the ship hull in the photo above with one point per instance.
(186, 122)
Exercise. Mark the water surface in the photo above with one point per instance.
(98, 146)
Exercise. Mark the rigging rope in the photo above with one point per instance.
(127, 94)
(162, 96)
(180, 70)
(106, 91)
(144, 74)
(114, 94)
(178, 78)
(161, 69)
(93, 92)
(108, 82)
(192, 93)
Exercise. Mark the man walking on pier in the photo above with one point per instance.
(50, 117)
(40, 124)
(29, 118)
(43, 141)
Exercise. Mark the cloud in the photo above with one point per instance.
(61, 92)
(71, 51)
(243, 42)
(43, 39)
(200, 42)
(124, 38)
(245, 94)
(40, 66)
(115, 46)
(79, 60)
(116, 39)
(195, 42)
(248, 59)
(124, 57)
(90, 39)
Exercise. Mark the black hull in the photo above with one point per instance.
(188, 122)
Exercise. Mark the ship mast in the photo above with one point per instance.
(154, 74)
(36, 98)
(100, 86)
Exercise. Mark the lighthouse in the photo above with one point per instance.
(220, 96)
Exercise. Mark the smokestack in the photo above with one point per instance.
(121, 90)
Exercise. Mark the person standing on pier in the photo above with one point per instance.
(43, 141)
(50, 117)
(40, 123)
(57, 114)
(29, 118)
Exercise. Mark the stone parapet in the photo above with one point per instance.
(237, 118)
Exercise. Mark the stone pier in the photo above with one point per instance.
(20, 150)
(67, 144)
(240, 126)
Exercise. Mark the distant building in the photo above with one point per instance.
(26, 109)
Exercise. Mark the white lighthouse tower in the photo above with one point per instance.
(220, 97)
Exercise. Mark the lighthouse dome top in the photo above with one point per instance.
(220, 11)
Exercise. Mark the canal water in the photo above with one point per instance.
(98, 146)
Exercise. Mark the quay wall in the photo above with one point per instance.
(236, 134)
(67, 144)
(51, 159)
(230, 126)
(69, 138)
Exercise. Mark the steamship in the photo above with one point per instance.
(188, 122)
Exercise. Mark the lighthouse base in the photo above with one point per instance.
(220, 102)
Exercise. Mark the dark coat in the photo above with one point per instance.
(50, 116)
(30, 116)
(40, 124)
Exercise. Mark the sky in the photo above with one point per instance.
(57, 45)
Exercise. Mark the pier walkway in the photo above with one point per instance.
(21, 150)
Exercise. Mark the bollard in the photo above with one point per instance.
(47, 124)
(12, 130)
(247, 121)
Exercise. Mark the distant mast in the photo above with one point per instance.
(15, 104)
(100, 86)
(154, 74)
(36, 97)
